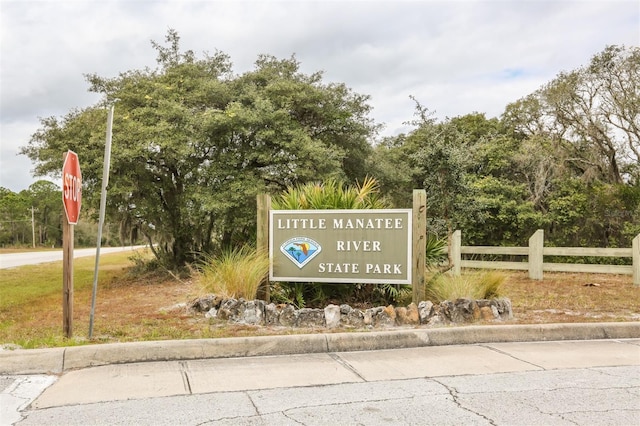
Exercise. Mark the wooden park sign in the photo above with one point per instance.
(346, 246)
(341, 246)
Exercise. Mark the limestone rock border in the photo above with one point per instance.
(257, 312)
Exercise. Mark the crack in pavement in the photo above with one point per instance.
(453, 392)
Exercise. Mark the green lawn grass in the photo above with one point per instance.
(31, 298)
(26, 284)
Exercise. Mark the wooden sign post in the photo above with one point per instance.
(419, 245)
(67, 277)
(71, 201)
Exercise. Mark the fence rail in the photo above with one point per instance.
(534, 258)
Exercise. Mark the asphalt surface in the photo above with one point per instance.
(503, 374)
(12, 260)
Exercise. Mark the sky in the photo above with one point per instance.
(455, 57)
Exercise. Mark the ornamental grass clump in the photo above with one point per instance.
(235, 274)
(479, 285)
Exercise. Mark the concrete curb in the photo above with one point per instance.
(58, 360)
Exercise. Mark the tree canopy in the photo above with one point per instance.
(564, 159)
(592, 114)
(193, 144)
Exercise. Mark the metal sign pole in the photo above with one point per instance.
(103, 203)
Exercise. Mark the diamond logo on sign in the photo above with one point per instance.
(300, 250)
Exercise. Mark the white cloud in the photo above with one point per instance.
(455, 57)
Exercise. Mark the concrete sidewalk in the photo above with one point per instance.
(44, 379)
(169, 378)
(59, 360)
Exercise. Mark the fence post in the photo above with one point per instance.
(419, 240)
(536, 259)
(262, 243)
(635, 250)
(456, 252)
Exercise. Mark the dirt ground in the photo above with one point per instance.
(155, 309)
(571, 297)
(559, 298)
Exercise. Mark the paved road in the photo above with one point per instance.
(12, 260)
(560, 382)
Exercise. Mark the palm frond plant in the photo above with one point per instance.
(331, 195)
(435, 251)
(397, 294)
(435, 259)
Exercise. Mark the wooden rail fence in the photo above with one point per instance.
(535, 253)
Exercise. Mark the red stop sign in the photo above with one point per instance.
(71, 187)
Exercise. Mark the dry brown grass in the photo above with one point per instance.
(153, 309)
(571, 297)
